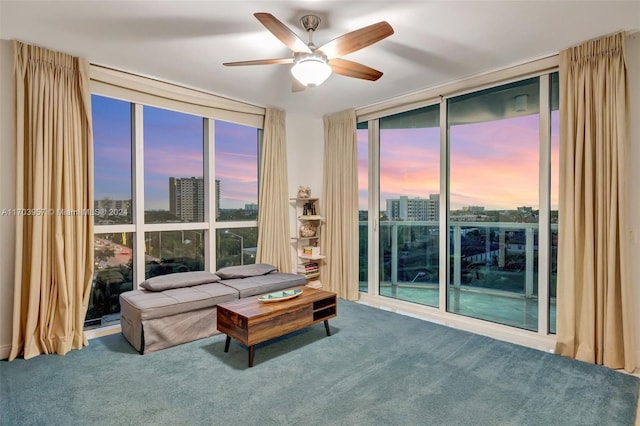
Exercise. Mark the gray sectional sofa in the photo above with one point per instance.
(181, 307)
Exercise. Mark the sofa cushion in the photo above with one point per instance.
(245, 271)
(274, 281)
(150, 305)
(179, 280)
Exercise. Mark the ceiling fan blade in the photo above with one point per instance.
(282, 32)
(260, 62)
(354, 69)
(296, 86)
(356, 40)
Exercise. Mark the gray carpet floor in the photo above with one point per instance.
(378, 368)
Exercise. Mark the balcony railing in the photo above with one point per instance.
(490, 256)
(492, 268)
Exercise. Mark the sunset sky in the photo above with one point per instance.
(492, 164)
(173, 147)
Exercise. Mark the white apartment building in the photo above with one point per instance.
(421, 209)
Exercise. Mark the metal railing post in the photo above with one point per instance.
(528, 289)
(457, 256)
(394, 258)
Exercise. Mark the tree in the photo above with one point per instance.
(103, 254)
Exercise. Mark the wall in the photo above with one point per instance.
(305, 151)
(7, 194)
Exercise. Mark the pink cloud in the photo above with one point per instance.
(238, 175)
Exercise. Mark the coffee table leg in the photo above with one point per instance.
(251, 352)
(326, 327)
(226, 344)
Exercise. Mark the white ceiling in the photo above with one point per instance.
(434, 42)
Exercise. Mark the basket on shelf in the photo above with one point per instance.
(307, 230)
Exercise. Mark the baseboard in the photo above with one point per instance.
(102, 331)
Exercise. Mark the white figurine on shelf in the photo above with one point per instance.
(304, 191)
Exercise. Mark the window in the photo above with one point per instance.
(112, 160)
(173, 166)
(113, 261)
(410, 205)
(113, 275)
(236, 172)
(494, 144)
(363, 202)
(236, 246)
(168, 252)
(554, 198)
(155, 194)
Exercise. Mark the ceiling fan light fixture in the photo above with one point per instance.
(311, 71)
(310, 63)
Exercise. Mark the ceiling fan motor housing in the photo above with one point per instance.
(310, 22)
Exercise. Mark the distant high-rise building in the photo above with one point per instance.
(109, 204)
(186, 198)
(252, 207)
(433, 207)
(473, 209)
(420, 209)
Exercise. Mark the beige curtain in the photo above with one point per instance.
(273, 209)
(594, 318)
(54, 232)
(339, 237)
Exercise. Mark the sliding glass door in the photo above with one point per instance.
(466, 215)
(409, 205)
(493, 204)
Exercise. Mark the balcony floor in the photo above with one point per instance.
(500, 307)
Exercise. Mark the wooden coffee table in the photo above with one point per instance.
(251, 322)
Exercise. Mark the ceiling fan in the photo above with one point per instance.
(312, 64)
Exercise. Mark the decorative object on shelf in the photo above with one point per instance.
(304, 191)
(308, 230)
(279, 296)
(309, 209)
(311, 251)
